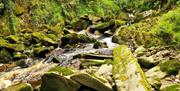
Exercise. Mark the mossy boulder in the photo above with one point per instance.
(43, 37)
(5, 56)
(19, 87)
(42, 50)
(74, 38)
(16, 47)
(170, 67)
(55, 82)
(91, 81)
(127, 73)
(146, 62)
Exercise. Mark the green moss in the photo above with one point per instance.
(124, 66)
(41, 36)
(168, 27)
(170, 67)
(20, 87)
(61, 70)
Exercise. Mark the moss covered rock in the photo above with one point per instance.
(55, 82)
(91, 81)
(170, 67)
(5, 56)
(19, 87)
(127, 72)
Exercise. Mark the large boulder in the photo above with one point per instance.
(55, 82)
(127, 73)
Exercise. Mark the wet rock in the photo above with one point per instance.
(54, 82)
(146, 62)
(170, 67)
(19, 87)
(100, 45)
(174, 87)
(117, 39)
(102, 27)
(22, 63)
(127, 73)
(5, 56)
(90, 81)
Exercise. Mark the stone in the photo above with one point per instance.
(5, 56)
(154, 75)
(170, 66)
(64, 71)
(19, 87)
(41, 36)
(55, 82)
(140, 51)
(127, 73)
(101, 27)
(91, 81)
(93, 62)
(146, 62)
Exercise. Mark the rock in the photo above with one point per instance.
(140, 51)
(41, 36)
(170, 67)
(117, 39)
(42, 50)
(55, 82)
(90, 81)
(5, 56)
(93, 62)
(19, 55)
(102, 27)
(98, 44)
(174, 87)
(105, 70)
(19, 87)
(146, 62)
(73, 38)
(96, 56)
(15, 47)
(154, 75)
(22, 63)
(62, 70)
(83, 23)
(127, 73)
(1, 8)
